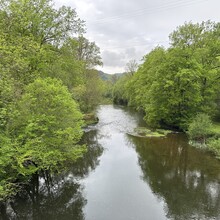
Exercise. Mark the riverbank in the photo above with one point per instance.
(210, 143)
(216, 128)
(214, 142)
(125, 177)
(90, 118)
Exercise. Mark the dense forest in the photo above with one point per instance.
(47, 83)
(179, 87)
(174, 84)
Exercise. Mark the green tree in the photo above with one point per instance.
(7, 99)
(90, 93)
(43, 134)
(120, 95)
(67, 67)
(173, 85)
(8, 174)
(88, 52)
(40, 20)
(31, 34)
(47, 126)
(41, 70)
(202, 43)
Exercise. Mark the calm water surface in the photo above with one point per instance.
(125, 178)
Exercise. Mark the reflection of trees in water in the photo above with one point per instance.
(48, 197)
(55, 197)
(185, 178)
(90, 159)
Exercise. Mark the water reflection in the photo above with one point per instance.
(91, 159)
(48, 197)
(134, 178)
(55, 196)
(185, 178)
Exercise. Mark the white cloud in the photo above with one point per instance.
(128, 29)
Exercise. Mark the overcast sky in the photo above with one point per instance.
(129, 29)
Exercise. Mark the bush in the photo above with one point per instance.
(200, 127)
(214, 145)
(47, 127)
(43, 133)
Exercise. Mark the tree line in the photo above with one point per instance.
(47, 82)
(173, 85)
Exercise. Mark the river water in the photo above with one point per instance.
(125, 178)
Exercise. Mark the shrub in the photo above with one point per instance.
(47, 127)
(200, 127)
(214, 145)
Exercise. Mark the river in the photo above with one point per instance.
(125, 178)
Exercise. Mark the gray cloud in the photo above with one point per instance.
(113, 59)
(128, 29)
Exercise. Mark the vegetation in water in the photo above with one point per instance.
(146, 132)
(203, 134)
(91, 118)
(200, 128)
(214, 146)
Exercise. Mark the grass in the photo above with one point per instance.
(155, 134)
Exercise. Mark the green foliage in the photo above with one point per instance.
(43, 133)
(67, 67)
(120, 91)
(215, 129)
(88, 52)
(31, 31)
(146, 132)
(41, 70)
(173, 91)
(47, 126)
(214, 146)
(7, 96)
(7, 162)
(40, 20)
(74, 60)
(173, 85)
(90, 93)
(200, 127)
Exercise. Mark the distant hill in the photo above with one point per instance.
(119, 74)
(106, 76)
